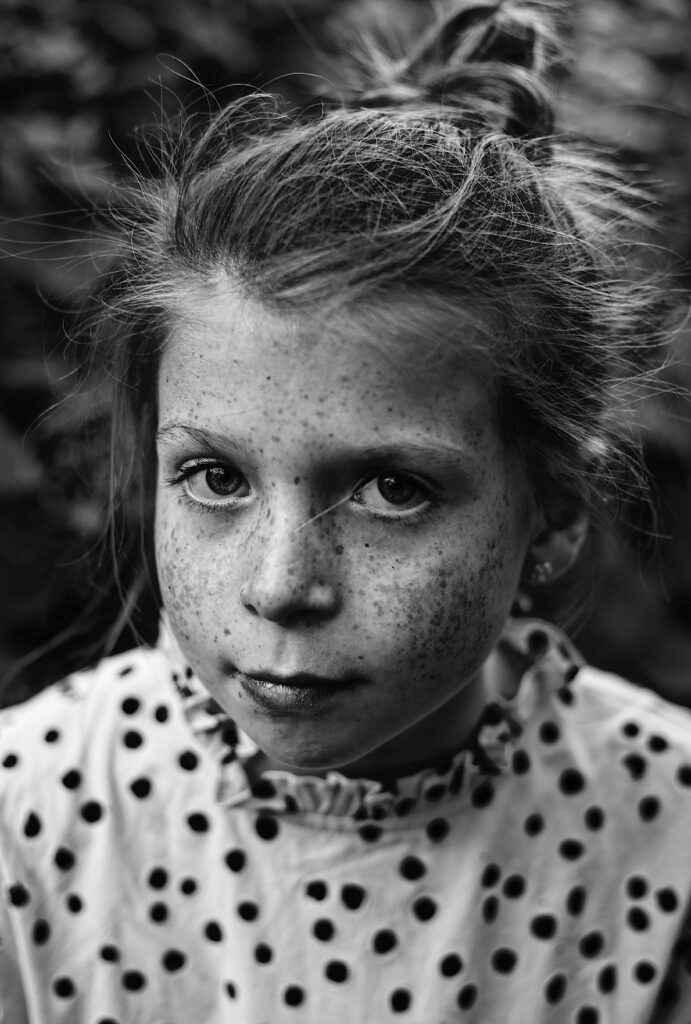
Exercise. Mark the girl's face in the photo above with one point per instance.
(339, 532)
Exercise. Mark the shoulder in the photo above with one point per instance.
(599, 741)
(77, 726)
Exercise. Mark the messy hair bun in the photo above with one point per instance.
(484, 65)
(437, 176)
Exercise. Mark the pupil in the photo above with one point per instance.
(221, 481)
(399, 490)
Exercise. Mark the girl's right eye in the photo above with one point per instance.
(213, 483)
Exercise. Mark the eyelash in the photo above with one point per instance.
(406, 516)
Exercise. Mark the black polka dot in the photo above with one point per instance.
(466, 997)
(266, 826)
(263, 953)
(437, 829)
(188, 886)
(635, 765)
(64, 858)
(323, 929)
(231, 990)
(571, 781)
(607, 979)
(158, 878)
(109, 953)
(412, 868)
(630, 729)
(534, 824)
(316, 890)
(555, 989)
(40, 933)
(198, 822)
(126, 670)
(638, 919)
(72, 779)
(10, 761)
(490, 909)
(161, 713)
(657, 744)
(130, 705)
(264, 789)
(587, 1015)
(684, 775)
(424, 908)
(248, 911)
(637, 887)
(575, 901)
(667, 900)
(132, 739)
(400, 1000)
(64, 988)
(336, 971)
(521, 762)
(436, 793)
(490, 876)
(74, 903)
(188, 760)
(450, 965)
(158, 912)
(294, 996)
(648, 808)
(352, 896)
(133, 981)
(564, 693)
(173, 960)
(213, 931)
(571, 849)
(514, 886)
(504, 960)
(91, 811)
(369, 832)
(141, 788)
(384, 941)
(538, 642)
(19, 895)
(52, 736)
(235, 860)
(549, 732)
(594, 818)
(483, 795)
(592, 944)
(32, 825)
(544, 926)
(644, 971)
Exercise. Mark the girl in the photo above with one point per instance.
(370, 366)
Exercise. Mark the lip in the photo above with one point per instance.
(295, 694)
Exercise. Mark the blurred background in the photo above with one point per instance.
(78, 79)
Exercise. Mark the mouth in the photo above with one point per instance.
(302, 692)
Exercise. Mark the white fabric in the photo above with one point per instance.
(554, 854)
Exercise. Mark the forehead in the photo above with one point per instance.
(394, 349)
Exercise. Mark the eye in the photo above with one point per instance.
(210, 483)
(392, 492)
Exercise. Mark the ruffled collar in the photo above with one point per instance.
(533, 646)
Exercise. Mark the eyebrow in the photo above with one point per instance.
(214, 442)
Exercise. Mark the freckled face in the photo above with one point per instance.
(339, 534)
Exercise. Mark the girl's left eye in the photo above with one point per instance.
(214, 483)
(392, 492)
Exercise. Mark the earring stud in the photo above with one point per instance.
(542, 571)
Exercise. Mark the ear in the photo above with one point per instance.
(554, 551)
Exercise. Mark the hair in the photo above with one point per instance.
(439, 176)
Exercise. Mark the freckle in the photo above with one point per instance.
(296, 480)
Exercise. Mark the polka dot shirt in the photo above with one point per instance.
(150, 874)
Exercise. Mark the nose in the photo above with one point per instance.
(292, 576)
